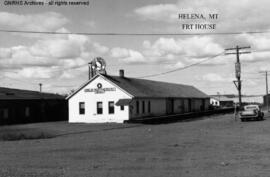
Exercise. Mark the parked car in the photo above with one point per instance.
(251, 112)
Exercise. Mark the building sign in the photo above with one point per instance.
(99, 89)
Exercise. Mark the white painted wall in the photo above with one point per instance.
(214, 102)
(91, 99)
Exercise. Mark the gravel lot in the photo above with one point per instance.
(215, 146)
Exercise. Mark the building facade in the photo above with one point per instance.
(95, 102)
(107, 98)
(222, 102)
(24, 106)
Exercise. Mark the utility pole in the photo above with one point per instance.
(266, 85)
(40, 87)
(238, 83)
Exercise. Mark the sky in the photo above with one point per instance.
(59, 61)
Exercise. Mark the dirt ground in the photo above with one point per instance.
(216, 146)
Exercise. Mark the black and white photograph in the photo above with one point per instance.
(145, 88)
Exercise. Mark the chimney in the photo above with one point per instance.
(40, 87)
(121, 73)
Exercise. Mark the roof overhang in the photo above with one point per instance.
(123, 102)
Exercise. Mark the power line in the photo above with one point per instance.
(153, 75)
(131, 34)
(167, 72)
(182, 68)
(253, 78)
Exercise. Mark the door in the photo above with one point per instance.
(169, 106)
(189, 105)
(203, 105)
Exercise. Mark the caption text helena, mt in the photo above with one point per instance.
(198, 17)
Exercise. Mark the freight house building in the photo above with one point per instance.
(106, 98)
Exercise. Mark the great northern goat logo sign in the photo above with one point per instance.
(99, 89)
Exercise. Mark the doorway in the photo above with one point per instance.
(169, 106)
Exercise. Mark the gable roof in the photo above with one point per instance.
(82, 86)
(18, 94)
(156, 89)
(151, 89)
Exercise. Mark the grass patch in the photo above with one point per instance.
(54, 129)
(13, 134)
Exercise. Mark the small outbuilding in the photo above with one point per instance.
(222, 101)
(25, 106)
(106, 98)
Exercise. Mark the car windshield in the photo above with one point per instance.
(251, 107)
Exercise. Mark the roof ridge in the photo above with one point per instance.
(7, 89)
(147, 80)
(149, 88)
(143, 88)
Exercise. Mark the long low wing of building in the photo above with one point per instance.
(106, 98)
(25, 106)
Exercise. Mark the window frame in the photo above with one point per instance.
(99, 110)
(111, 109)
(149, 106)
(137, 107)
(122, 107)
(4, 113)
(143, 106)
(82, 108)
(27, 111)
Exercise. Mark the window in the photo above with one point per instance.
(111, 107)
(4, 113)
(82, 108)
(143, 107)
(122, 107)
(137, 107)
(27, 112)
(99, 108)
(149, 107)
